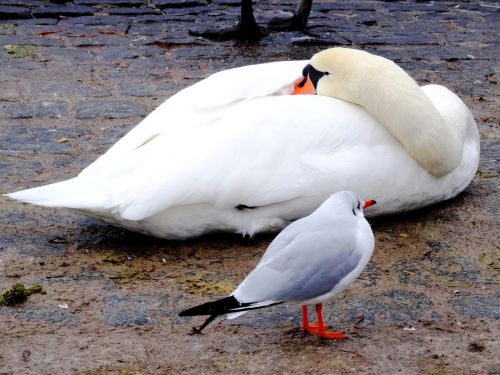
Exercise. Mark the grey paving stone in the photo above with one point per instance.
(66, 91)
(97, 40)
(150, 18)
(211, 15)
(115, 109)
(392, 38)
(142, 89)
(431, 6)
(494, 369)
(235, 3)
(29, 312)
(330, 40)
(95, 20)
(74, 55)
(146, 75)
(350, 6)
(111, 2)
(38, 21)
(396, 306)
(20, 139)
(179, 3)
(25, 3)
(151, 29)
(48, 109)
(476, 306)
(13, 12)
(138, 310)
(6, 240)
(57, 11)
(131, 11)
(192, 53)
(32, 39)
(150, 63)
(118, 53)
(10, 92)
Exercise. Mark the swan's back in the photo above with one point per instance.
(253, 162)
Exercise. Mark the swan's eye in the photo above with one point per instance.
(359, 206)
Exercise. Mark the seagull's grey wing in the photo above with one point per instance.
(283, 239)
(309, 266)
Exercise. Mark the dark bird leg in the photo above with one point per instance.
(298, 20)
(206, 323)
(245, 29)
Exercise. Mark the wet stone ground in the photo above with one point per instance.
(76, 75)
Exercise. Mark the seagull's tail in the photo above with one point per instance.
(229, 305)
(219, 307)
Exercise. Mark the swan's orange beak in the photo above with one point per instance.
(304, 86)
(368, 203)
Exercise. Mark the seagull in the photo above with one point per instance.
(310, 261)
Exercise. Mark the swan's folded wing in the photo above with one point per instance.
(258, 153)
(202, 103)
(253, 156)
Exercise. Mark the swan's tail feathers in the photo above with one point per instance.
(228, 305)
(73, 193)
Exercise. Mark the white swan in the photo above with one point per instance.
(236, 152)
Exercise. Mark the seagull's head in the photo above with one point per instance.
(347, 202)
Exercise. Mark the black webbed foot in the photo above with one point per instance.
(246, 29)
(297, 22)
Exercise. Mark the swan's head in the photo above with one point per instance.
(339, 72)
(392, 97)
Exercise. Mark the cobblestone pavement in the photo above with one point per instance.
(76, 75)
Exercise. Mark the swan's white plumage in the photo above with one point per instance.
(238, 138)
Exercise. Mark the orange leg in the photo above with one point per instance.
(322, 328)
(306, 326)
(319, 328)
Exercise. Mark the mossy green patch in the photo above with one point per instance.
(487, 174)
(23, 51)
(8, 26)
(18, 293)
(491, 260)
(125, 276)
(111, 258)
(202, 283)
(123, 270)
(220, 364)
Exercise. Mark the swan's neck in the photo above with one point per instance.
(388, 93)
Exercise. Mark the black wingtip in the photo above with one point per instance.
(219, 307)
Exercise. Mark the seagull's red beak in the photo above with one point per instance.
(368, 203)
(304, 86)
